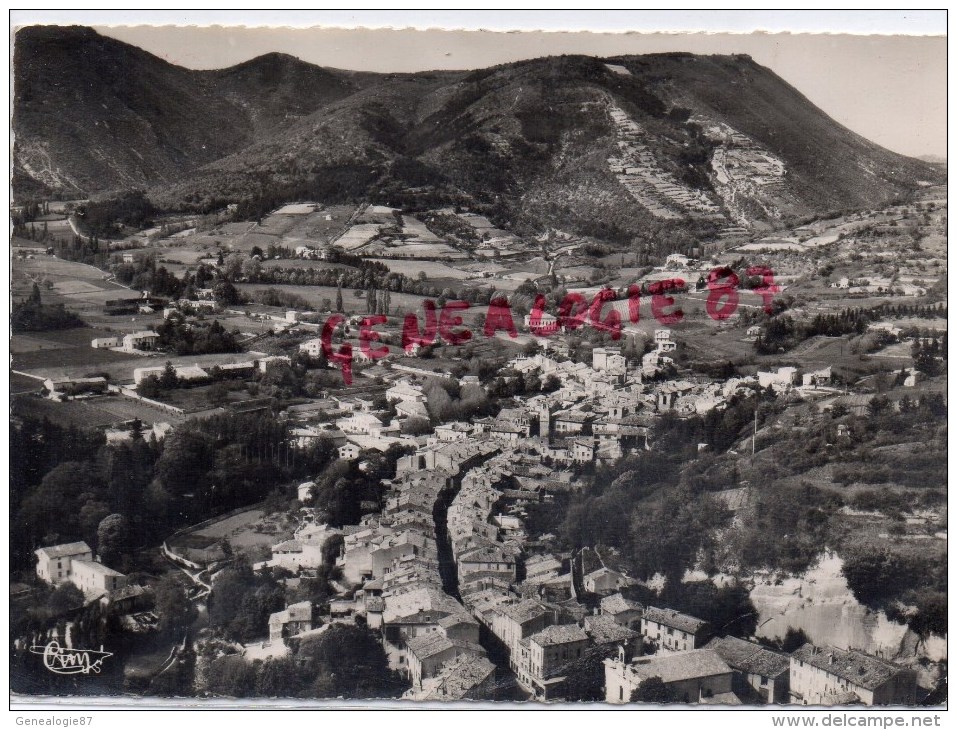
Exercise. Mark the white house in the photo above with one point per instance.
(313, 347)
(349, 451)
(101, 343)
(142, 340)
(782, 379)
(55, 563)
(95, 579)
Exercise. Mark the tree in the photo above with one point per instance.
(339, 298)
(279, 678)
(653, 690)
(168, 380)
(172, 604)
(65, 597)
(348, 661)
(112, 539)
(218, 394)
(331, 549)
(416, 426)
(242, 600)
(232, 676)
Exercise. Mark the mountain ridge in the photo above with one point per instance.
(618, 147)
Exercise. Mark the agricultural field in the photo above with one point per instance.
(250, 530)
(315, 295)
(91, 412)
(304, 264)
(61, 348)
(432, 269)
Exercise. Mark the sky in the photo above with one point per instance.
(890, 89)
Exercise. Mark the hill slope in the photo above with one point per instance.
(612, 147)
(92, 113)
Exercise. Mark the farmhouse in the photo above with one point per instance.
(95, 579)
(73, 562)
(782, 379)
(143, 340)
(55, 563)
(313, 347)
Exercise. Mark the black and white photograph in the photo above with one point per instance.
(391, 365)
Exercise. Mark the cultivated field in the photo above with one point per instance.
(91, 412)
(249, 529)
(316, 294)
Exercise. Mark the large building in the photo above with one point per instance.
(691, 676)
(833, 676)
(760, 675)
(673, 631)
(55, 563)
(74, 563)
(545, 656)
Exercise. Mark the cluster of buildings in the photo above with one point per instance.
(74, 563)
(133, 343)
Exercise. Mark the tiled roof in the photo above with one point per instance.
(524, 611)
(604, 630)
(680, 666)
(428, 645)
(459, 676)
(617, 603)
(561, 634)
(748, 657)
(680, 621)
(859, 669)
(65, 550)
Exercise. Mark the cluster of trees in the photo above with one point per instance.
(367, 275)
(242, 600)
(878, 574)
(923, 311)
(189, 338)
(144, 275)
(28, 212)
(107, 218)
(66, 482)
(664, 524)
(32, 315)
(783, 333)
(68, 485)
(510, 384)
(930, 355)
(341, 488)
(447, 400)
(345, 661)
(788, 526)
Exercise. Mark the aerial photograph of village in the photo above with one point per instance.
(580, 378)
